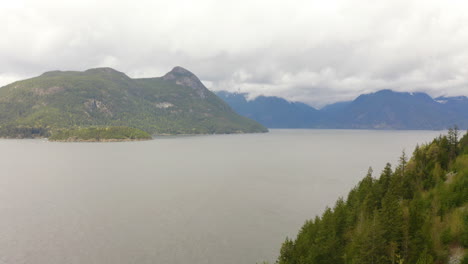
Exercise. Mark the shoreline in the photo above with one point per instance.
(99, 140)
(154, 136)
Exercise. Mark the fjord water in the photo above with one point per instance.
(200, 199)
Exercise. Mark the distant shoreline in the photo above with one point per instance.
(155, 136)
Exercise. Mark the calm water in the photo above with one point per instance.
(204, 199)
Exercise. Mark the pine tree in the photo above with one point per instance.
(374, 243)
(392, 222)
(403, 161)
(453, 142)
(384, 183)
(286, 252)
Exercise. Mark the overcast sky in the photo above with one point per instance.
(312, 51)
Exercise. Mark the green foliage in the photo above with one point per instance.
(465, 260)
(286, 252)
(425, 258)
(463, 144)
(464, 233)
(446, 236)
(411, 215)
(99, 134)
(105, 97)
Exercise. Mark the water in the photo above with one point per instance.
(202, 199)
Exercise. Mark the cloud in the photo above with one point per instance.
(312, 51)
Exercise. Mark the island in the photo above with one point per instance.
(100, 134)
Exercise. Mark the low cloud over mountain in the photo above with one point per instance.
(316, 52)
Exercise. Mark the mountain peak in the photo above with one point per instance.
(180, 70)
(186, 78)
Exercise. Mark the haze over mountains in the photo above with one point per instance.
(177, 103)
(384, 109)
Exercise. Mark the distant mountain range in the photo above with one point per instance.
(385, 109)
(272, 111)
(176, 103)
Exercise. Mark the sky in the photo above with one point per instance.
(317, 52)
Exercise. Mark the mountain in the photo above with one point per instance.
(385, 109)
(415, 212)
(458, 104)
(335, 107)
(273, 112)
(177, 103)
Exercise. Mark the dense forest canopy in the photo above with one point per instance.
(413, 213)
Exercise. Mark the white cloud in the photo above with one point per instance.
(312, 51)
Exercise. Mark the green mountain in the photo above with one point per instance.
(416, 213)
(177, 103)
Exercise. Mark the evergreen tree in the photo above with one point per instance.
(372, 244)
(383, 183)
(403, 161)
(453, 141)
(392, 219)
(286, 253)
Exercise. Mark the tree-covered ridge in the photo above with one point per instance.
(100, 134)
(177, 103)
(416, 213)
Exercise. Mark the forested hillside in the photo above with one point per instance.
(176, 103)
(415, 213)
